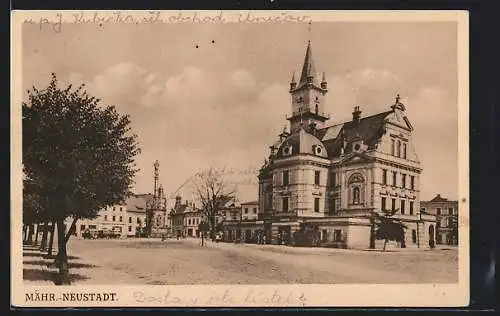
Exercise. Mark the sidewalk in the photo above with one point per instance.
(287, 248)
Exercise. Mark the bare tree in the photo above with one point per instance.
(214, 193)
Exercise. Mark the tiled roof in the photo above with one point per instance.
(251, 202)
(439, 198)
(301, 142)
(369, 129)
(184, 208)
(137, 203)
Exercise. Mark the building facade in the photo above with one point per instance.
(241, 222)
(136, 214)
(185, 218)
(446, 212)
(124, 220)
(250, 210)
(336, 176)
(192, 220)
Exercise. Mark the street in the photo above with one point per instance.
(143, 261)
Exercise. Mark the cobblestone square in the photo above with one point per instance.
(153, 262)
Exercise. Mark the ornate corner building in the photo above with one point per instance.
(336, 176)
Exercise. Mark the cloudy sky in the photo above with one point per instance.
(217, 94)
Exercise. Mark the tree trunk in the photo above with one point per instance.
(43, 243)
(71, 231)
(212, 227)
(37, 232)
(385, 244)
(51, 240)
(62, 257)
(30, 233)
(202, 238)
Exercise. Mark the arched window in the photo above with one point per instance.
(316, 109)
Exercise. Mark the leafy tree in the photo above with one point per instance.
(79, 152)
(389, 228)
(214, 193)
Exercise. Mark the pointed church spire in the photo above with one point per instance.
(308, 71)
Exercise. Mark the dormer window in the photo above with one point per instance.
(287, 150)
(317, 150)
(357, 147)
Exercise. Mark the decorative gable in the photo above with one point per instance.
(356, 158)
(399, 119)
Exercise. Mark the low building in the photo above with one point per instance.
(124, 219)
(250, 210)
(109, 219)
(241, 223)
(446, 212)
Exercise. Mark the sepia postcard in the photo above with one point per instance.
(240, 159)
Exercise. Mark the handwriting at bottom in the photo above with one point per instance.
(252, 297)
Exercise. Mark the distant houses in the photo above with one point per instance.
(446, 212)
(127, 219)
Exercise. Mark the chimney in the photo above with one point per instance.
(312, 127)
(356, 115)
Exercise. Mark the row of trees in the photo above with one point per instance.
(78, 157)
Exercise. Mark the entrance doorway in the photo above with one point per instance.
(284, 235)
(431, 236)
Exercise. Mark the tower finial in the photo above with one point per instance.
(309, 27)
(397, 104)
(323, 81)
